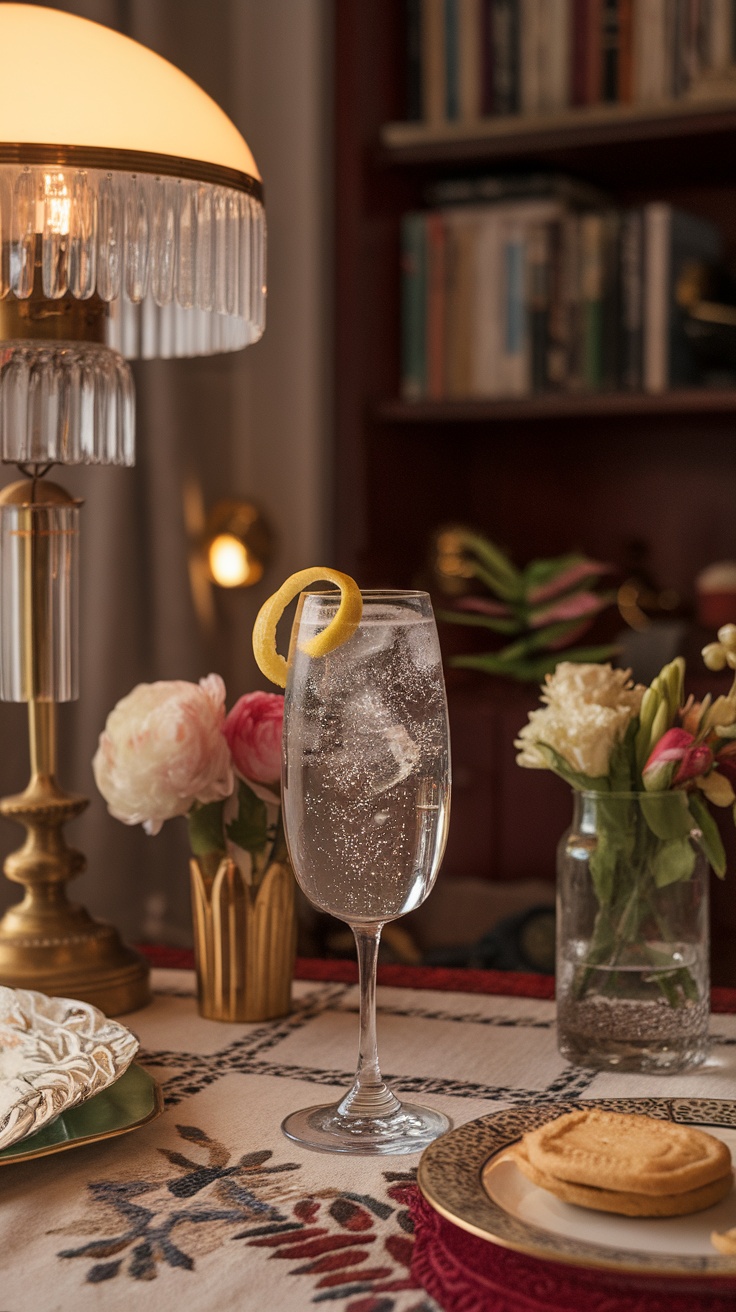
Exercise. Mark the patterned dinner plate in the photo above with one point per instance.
(55, 1053)
(130, 1102)
(464, 1177)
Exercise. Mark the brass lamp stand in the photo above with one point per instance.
(47, 942)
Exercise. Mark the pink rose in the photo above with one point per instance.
(253, 730)
(163, 749)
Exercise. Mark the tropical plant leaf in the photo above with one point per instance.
(710, 841)
(493, 566)
(528, 670)
(473, 619)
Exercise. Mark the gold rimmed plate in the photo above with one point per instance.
(467, 1177)
(131, 1102)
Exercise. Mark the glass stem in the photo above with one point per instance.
(369, 1095)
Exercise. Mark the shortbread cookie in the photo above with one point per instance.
(624, 1202)
(626, 1152)
(724, 1241)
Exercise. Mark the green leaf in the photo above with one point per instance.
(532, 670)
(206, 830)
(710, 838)
(602, 866)
(673, 862)
(621, 765)
(583, 782)
(474, 618)
(667, 814)
(249, 829)
(493, 566)
(539, 572)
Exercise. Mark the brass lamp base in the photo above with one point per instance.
(46, 942)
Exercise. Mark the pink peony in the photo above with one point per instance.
(253, 731)
(163, 749)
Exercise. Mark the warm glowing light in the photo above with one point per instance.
(141, 101)
(56, 205)
(231, 564)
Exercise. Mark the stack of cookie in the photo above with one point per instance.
(634, 1165)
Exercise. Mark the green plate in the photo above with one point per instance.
(131, 1101)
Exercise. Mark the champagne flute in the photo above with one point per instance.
(366, 789)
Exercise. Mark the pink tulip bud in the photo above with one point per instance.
(675, 760)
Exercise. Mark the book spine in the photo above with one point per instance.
(460, 284)
(631, 307)
(529, 56)
(414, 98)
(469, 60)
(435, 305)
(506, 56)
(485, 371)
(555, 55)
(656, 291)
(452, 62)
(572, 265)
(488, 95)
(514, 371)
(578, 78)
(558, 326)
(413, 306)
(591, 236)
(610, 50)
(625, 51)
(538, 271)
(594, 53)
(610, 299)
(433, 60)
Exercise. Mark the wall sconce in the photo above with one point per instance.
(238, 544)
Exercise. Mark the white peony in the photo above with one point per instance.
(162, 749)
(587, 712)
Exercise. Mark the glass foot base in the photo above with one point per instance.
(324, 1129)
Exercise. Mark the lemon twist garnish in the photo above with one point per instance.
(341, 627)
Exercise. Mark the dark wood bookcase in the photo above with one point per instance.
(540, 476)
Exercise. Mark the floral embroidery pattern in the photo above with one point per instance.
(202, 1201)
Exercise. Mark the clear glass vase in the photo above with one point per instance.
(632, 957)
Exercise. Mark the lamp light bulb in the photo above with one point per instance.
(55, 206)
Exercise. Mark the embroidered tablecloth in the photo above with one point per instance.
(210, 1206)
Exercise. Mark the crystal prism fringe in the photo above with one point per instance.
(66, 403)
(179, 264)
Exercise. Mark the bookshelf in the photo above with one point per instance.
(581, 128)
(541, 475)
(682, 401)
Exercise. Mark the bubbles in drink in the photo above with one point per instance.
(366, 787)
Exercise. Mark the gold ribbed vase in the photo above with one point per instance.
(244, 942)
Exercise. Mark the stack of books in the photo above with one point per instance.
(470, 59)
(532, 284)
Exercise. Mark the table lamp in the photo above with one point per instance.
(131, 225)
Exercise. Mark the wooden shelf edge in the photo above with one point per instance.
(559, 405)
(416, 142)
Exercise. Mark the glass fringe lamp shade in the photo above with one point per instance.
(131, 226)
